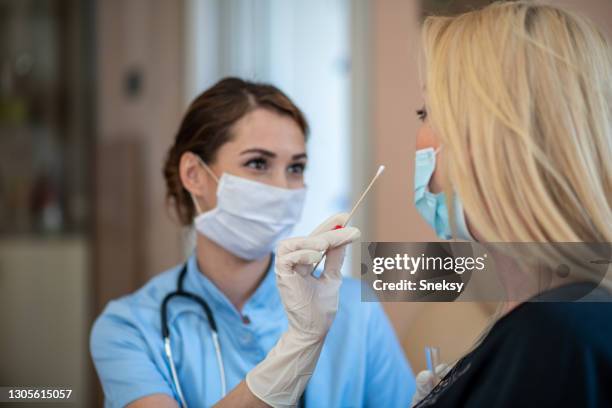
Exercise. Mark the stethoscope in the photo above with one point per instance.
(180, 292)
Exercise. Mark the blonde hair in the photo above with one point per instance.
(524, 90)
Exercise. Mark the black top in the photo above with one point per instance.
(541, 354)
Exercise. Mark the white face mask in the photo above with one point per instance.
(250, 217)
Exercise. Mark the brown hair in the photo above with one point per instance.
(207, 125)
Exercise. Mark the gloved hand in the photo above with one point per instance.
(311, 305)
(425, 382)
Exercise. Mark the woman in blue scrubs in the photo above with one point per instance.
(235, 172)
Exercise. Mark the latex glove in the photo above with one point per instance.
(425, 382)
(311, 305)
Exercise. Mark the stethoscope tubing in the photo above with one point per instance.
(165, 329)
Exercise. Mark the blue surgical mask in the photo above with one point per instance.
(433, 207)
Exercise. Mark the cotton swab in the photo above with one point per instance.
(380, 170)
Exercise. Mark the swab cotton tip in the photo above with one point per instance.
(381, 168)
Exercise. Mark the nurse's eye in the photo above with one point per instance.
(258, 163)
(297, 168)
(422, 114)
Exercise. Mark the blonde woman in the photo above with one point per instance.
(518, 125)
(517, 135)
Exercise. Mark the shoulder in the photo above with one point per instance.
(567, 317)
(577, 322)
(151, 293)
(533, 349)
(136, 312)
(126, 344)
(565, 330)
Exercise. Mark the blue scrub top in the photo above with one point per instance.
(361, 364)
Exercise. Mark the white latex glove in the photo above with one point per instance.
(425, 382)
(311, 305)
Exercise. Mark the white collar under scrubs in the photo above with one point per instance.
(361, 364)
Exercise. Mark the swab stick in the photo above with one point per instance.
(380, 170)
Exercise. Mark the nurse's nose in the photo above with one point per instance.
(280, 178)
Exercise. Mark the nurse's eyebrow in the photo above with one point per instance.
(299, 156)
(263, 152)
(268, 153)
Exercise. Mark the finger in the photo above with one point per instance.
(442, 369)
(298, 243)
(330, 223)
(340, 237)
(321, 242)
(338, 240)
(301, 257)
(424, 381)
(333, 262)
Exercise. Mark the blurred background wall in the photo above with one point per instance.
(47, 128)
(91, 93)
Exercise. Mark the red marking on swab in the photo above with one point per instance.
(337, 227)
